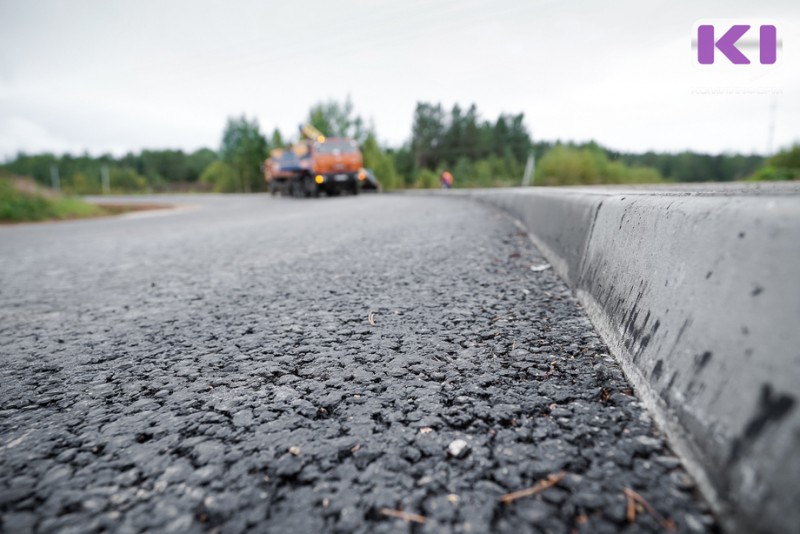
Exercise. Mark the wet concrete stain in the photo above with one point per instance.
(772, 408)
(701, 360)
(658, 369)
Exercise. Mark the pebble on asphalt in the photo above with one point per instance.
(458, 448)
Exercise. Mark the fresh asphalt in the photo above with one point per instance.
(248, 363)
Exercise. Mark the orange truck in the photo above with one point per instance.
(315, 165)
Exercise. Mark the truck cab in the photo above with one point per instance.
(337, 165)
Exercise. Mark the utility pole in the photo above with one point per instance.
(106, 180)
(530, 167)
(54, 178)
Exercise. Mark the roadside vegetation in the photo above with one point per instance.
(784, 165)
(22, 200)
(479, 152)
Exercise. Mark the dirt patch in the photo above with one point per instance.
(118, 208)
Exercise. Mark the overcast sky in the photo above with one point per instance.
(105, 75)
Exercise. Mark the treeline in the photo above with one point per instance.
(147, 171)
(693, 167)
(478, 151)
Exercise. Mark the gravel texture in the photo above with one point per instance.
(217, 368)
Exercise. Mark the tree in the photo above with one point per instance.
(570, 165)
(518, 139)
(244, 148)
(197, 162)
(380, 162)
(785, 165)
(125, 180)
(221, 176)
(277, 139)
(787, 159)
(338, 120)
(164, 166)
(427, 133)
(404, 165)
(452, 140)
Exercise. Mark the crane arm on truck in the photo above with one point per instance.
(309, 132)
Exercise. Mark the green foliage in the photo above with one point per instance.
(371, 152)
(29, 204)
(785, 165)
(244, 148)
(162, 169)
(277, 139)
(404, 165)
(80, 184)
(381, 163)
(567, 165)
(774, 174)
(222, 177)
(127, 181)
(427, 131)
(387, 174)
(643, 175)
(441, 139)
(426, 179)
(197, 162)
(336, 119)
(787, 159)
(493, 171)
(694, 167)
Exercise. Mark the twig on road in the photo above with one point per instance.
(634, 498)
(550, 481)
(405, 516)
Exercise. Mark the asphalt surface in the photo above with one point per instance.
(216, 368)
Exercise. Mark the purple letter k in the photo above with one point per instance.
(726, 44)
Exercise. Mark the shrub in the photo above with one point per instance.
(21, 200)
(426, 179)
(221, 176)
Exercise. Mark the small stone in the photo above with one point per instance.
(458, 448)
(243, 418)
(693, 523)
(294, 451)
(670, 462)
(682, 480)
(647, 444)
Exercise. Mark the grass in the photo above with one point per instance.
(22, 201)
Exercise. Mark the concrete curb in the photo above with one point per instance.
(696, 292)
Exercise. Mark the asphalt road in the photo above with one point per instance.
(216, 368)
